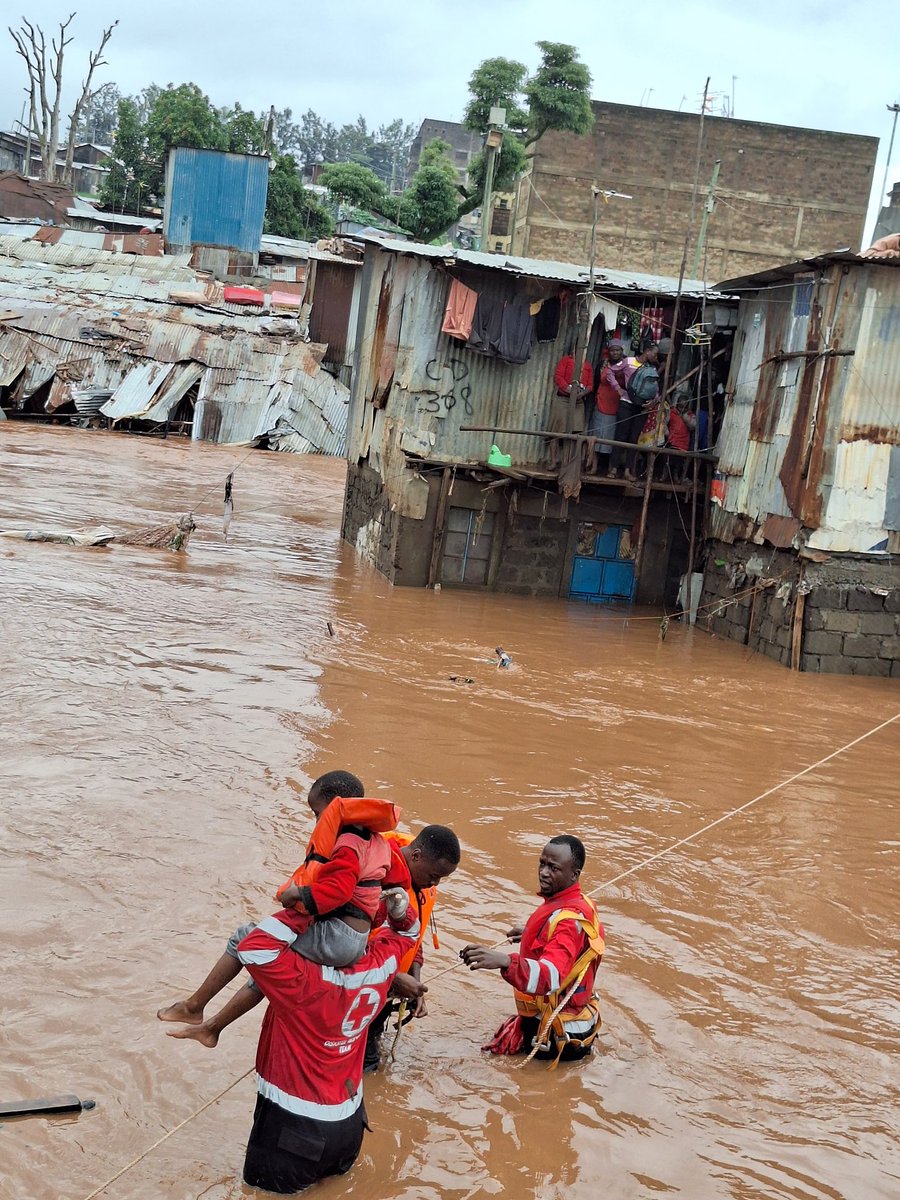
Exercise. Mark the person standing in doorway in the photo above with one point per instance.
(612, 395)
(566, 410)
(642, 389)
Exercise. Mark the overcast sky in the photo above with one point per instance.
(819, 63)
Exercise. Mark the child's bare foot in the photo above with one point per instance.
(183, 1012)
(198, 1033)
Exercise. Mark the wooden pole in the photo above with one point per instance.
(797, 631)
(642, 528)
(690, 563)
(569, 436)
(440, 522)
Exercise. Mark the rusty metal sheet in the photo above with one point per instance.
(780, 531)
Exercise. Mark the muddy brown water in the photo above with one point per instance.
(159, 711)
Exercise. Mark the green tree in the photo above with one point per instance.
(355, 184)
(556, 96)
(431, 202)
(180, 116)
(497, 83)
(292, 211)
(559, 92)
(354, 143)
(126, 180)
(245, 132)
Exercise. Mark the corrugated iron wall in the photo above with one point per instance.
(332, 299)
(429, 383)
(215, 198)
(810, 436)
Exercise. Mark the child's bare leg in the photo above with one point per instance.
(207, 1033)
(190, 1010)
(228, 967)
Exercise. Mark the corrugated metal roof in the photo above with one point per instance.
(180, 383)
(135, 393)
(88, 212)
(786, 271)
(283, 247)
(605, 278)
(118, 330)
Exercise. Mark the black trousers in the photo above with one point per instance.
(629, 424)
(287, 1153)
(530, 1027)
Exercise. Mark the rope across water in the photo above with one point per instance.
(600, 887)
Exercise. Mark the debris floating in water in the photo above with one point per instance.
(174, 536)
(330, 628)
(47, 1106)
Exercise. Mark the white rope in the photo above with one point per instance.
(165, 1137)
(609, 883)
(742, 808)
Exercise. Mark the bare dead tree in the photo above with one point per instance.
(45, 79)
(95, 60)
(44, 74)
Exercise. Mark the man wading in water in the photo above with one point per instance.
(561, 947)
(310, 1117)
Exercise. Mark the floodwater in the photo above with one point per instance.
(161, 710)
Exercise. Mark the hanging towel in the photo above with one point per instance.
(516, 333)
(546, 324)
(459, 311)
(486, 322)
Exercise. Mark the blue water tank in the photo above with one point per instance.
(215, 199)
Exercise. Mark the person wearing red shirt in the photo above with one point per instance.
(345, 894)
(566, 410)
(612, 395)
(309, 1116)
(561, 947)
(421, 862)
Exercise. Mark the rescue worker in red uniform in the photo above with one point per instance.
(420, 862)
(553, 974)
(309, 1116)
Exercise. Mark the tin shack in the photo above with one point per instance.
(449, 480)
(805, 512)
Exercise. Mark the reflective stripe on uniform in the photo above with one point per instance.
(534, 973)
(308, 1108)
(360, 979)
(277, 929)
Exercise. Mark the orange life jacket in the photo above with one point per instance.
(423, 902)
(378, 816)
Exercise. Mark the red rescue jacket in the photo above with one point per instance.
(310, 1055)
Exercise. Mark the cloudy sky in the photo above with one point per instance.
(819, 63)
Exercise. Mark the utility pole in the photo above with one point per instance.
(492, 143)
(583, 336)
(894, 108)
(707, 213)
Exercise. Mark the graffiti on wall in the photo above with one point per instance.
(450, 389)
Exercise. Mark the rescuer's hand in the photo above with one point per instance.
(397, 901)
(407, 987)
(515, 934)
(480, 958)
(290, 896)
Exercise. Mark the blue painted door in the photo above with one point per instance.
(603, 568)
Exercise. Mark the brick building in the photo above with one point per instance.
(785, 193)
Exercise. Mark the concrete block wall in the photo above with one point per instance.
(849, 626)
(368, 523)
(789, 192)
(533, 557)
